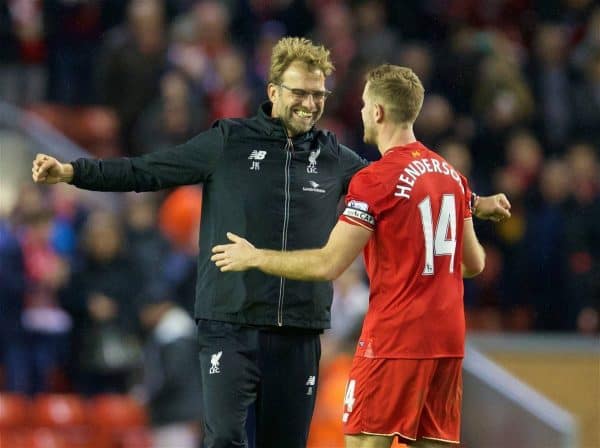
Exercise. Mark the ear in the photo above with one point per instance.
(378, 113)
(271, 91)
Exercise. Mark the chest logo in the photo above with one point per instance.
(255, 157)
(314, 187)
(311, 168)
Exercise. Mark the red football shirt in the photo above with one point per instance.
(415, 204)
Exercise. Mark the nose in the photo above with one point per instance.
(309, 102)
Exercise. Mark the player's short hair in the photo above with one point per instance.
(290, 49)
(397, 88)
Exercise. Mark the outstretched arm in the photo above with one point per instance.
(344, 244)
(190, 163)
(495, 208)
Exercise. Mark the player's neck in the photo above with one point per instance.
(394, 136)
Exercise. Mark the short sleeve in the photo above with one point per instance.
(364, 201)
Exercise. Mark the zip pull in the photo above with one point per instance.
(289, 145)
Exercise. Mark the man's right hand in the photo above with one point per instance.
(48, 170)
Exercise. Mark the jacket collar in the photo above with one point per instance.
(274, 126)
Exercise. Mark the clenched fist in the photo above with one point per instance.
(48, 170)
(495, 208)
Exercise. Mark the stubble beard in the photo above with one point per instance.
(297, 126)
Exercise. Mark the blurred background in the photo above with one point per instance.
(97, 346)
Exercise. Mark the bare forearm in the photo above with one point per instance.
(344, 244)
(473, 256)
(307, 265)
(476, 266)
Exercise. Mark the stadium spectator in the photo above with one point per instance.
(73, 32)
(23, 75)
(377, 41)
(543, 269)
(131, 60)
(46, 324)
(100, 301)
(551, 80)
(583, 235)
(145, 242)
(13, 345)
(176, 116)
(587, 100)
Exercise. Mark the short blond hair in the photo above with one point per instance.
(290, 49)
(399, 89)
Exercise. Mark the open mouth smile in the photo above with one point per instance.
(303, 115)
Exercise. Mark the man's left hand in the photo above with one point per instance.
(495, 208)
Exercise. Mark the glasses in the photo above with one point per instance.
(301, 94)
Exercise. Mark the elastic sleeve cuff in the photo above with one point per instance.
(76, 171)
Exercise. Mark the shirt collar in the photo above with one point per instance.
(413, 146)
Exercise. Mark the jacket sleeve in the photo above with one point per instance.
(190, 163)
(350, 164)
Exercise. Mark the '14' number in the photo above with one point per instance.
(440, 240)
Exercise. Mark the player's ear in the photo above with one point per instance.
(378, 113)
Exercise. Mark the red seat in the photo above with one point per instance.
(33, 438)
(117, 412)
(67, 415)
(118, 421)
(59, 411)
(13, 410)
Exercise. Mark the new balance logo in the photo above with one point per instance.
(257, 155)
(214, 363)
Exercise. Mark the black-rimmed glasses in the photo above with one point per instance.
(301, 94)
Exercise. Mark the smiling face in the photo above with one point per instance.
(298, 114)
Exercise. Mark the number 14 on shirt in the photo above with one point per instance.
(440, 240)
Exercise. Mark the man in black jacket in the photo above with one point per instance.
(276, 179)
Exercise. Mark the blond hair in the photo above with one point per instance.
(290, 49)
(399, 89)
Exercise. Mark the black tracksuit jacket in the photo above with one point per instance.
(277, 192)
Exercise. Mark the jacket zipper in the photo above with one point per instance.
(289, 148)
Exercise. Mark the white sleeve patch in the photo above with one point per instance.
(359, 214)
(358, 205)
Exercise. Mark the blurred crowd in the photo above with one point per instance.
(512, 101)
